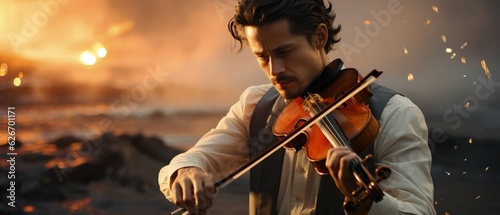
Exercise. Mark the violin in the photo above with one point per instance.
(351, 125)
(313, 116)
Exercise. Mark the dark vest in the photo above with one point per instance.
(265, 177)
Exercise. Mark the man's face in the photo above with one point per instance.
(290, 62)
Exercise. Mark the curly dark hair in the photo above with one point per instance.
(304, 17)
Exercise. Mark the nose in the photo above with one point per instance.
(277, 66)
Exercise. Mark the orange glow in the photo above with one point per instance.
(80, 204)
(20, 75)
(470, 140)
(17, 82)
(405, 50)
(87, 59)
(3, 69)
(29, 208)
(120, 28)
(367, 22)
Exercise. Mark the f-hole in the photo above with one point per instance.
(299, 141)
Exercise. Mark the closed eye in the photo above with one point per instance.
(263, 57)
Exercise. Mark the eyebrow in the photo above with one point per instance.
(277, 49)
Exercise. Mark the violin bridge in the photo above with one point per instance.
(311, 101)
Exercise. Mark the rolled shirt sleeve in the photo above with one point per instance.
(224, 148)
(402, 146)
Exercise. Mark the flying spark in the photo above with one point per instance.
(470, 139)
(485, 68)
(463, 60)
(428, 22)
(435, 9)
(443, 38)
(405, 50)
(410, 77)
(463, 46)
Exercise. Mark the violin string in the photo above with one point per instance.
(355, 164)
(329, 125)
(326, 124)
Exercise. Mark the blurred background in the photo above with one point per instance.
(74, 68)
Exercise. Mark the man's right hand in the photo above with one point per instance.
(193, 189)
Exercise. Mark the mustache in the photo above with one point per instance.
(282, 78)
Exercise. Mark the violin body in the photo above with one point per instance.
(357, 124)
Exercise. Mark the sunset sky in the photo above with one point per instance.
(188, 40)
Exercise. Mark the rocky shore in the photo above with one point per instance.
(70, 176)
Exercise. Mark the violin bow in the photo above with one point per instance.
(363, 83)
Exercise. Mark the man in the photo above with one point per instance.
(291, 39)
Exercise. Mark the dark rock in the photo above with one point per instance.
(156, 149)
(65, 141)
(17, 143)
(130, 160)
(35, 156)
(51, 184)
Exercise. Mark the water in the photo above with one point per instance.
(44, 123)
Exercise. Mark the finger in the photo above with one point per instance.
(209, 189)
(187, 200)
(333, 159)
(346, 175)
(345, 165)
(199, 195)
(177, 189)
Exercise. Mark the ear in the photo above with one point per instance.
(320, 36)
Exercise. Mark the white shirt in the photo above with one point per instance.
(400, 145)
